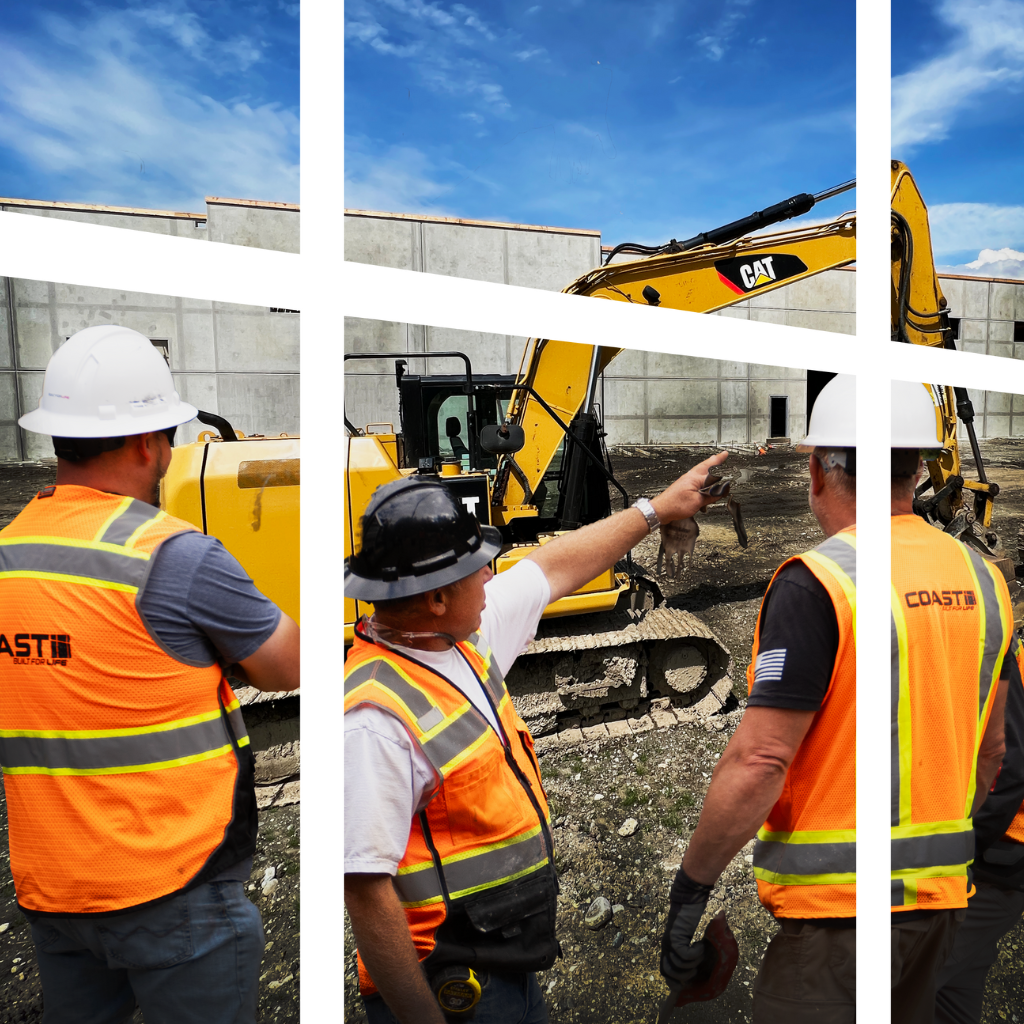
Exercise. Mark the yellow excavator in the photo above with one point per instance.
(525, 453)
(920, 316)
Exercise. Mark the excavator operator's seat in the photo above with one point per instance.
(453, 427)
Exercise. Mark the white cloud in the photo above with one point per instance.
(991, 263)
(116, 117)
(401, 180)
(987, 53)
(716, 41)
(440, 45)
(957, 227)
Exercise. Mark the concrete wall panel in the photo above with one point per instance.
(260, 402)
(975, 300)
(257, 227)
(687, 431)
(488, 353)
(733, 398)
(538, 259)
(625, 431)
(247, 342)
(34, 337)
(194, 347)
(476, 253)
(623, 397)
(1002, 301)
(383, 243)
(678, 398)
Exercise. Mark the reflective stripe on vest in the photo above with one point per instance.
(937, 850)
(1015, 831)
(816, 857)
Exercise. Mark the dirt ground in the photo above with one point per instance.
(277, 849)
(660, 777)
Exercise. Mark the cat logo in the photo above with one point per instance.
(749, 273)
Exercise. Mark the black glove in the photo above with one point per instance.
(679, 958)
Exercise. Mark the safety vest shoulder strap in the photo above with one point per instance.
(440, 719)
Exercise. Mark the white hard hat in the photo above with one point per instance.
(107, 381)
(915, 423)
(833, 422)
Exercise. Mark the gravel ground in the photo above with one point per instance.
(659, 778)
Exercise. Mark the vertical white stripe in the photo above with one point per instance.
(873, 29)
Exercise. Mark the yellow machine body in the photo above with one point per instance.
(369, 463)
(246, 494)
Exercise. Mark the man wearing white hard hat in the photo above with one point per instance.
(788, 773)
(128, 773)
(952, 631)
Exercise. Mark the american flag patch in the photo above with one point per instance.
(769, 665)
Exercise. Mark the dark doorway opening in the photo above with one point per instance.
(779, 416)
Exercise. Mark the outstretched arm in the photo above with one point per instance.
(576, 558)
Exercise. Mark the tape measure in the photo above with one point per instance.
(457, 989)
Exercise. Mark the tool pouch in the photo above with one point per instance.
(509, 929)
(1001, 864)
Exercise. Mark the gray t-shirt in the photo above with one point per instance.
(203, 607)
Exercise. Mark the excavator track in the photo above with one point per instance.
(619, 672)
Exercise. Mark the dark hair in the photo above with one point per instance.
(81, 449)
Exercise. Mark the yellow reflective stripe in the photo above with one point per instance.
(124, 769)
(844, 581)
(86, 581)
(910, 892)
(938, 871)
(373, 683)
(121, 508)
(72, 542)
(96, 734)
(931, 828)
(903, 713)
(476, 851)
(845, 835)
(984, 711)
(464, 753)
(130, 543)
(773, 878)
(443, 724)
(499, 881)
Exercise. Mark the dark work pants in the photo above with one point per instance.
(808, 976)
(991, 913)
(919, 949)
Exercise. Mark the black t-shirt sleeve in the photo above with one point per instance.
(799, 641)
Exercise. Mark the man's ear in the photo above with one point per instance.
(817, 471)
(436, 602)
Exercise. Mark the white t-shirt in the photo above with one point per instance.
(387, 777)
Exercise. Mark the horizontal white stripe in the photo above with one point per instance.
(769, 666)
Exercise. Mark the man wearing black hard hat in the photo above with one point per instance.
(449, 876)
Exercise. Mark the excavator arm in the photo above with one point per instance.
(920, 316)
(704, 278)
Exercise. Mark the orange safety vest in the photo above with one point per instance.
(951, 623)
(477, 880)
(805, 857)
(123, 766)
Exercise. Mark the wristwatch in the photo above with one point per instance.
(647, 511)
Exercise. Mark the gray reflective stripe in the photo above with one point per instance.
(134, 516)
(454, 738)
(806, 858)
(490, 867)
(929, 851)
(894, 725)
(382, 673)
(897, 895)
(494, 681)
(65, 560)
(237, 724)
(843, 554)
(112, 751)
(993, 629)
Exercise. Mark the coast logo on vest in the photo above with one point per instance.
(28, 648)
(954, 600)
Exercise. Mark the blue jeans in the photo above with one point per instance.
(505, 999)
(193, 959)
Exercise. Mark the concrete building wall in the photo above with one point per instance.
(991, 315)
(646, 397)
(239, 361)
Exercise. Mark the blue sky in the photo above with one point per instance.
(958, 123)
(149, 104)
(647, 119)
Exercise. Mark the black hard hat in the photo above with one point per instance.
(416, 536)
